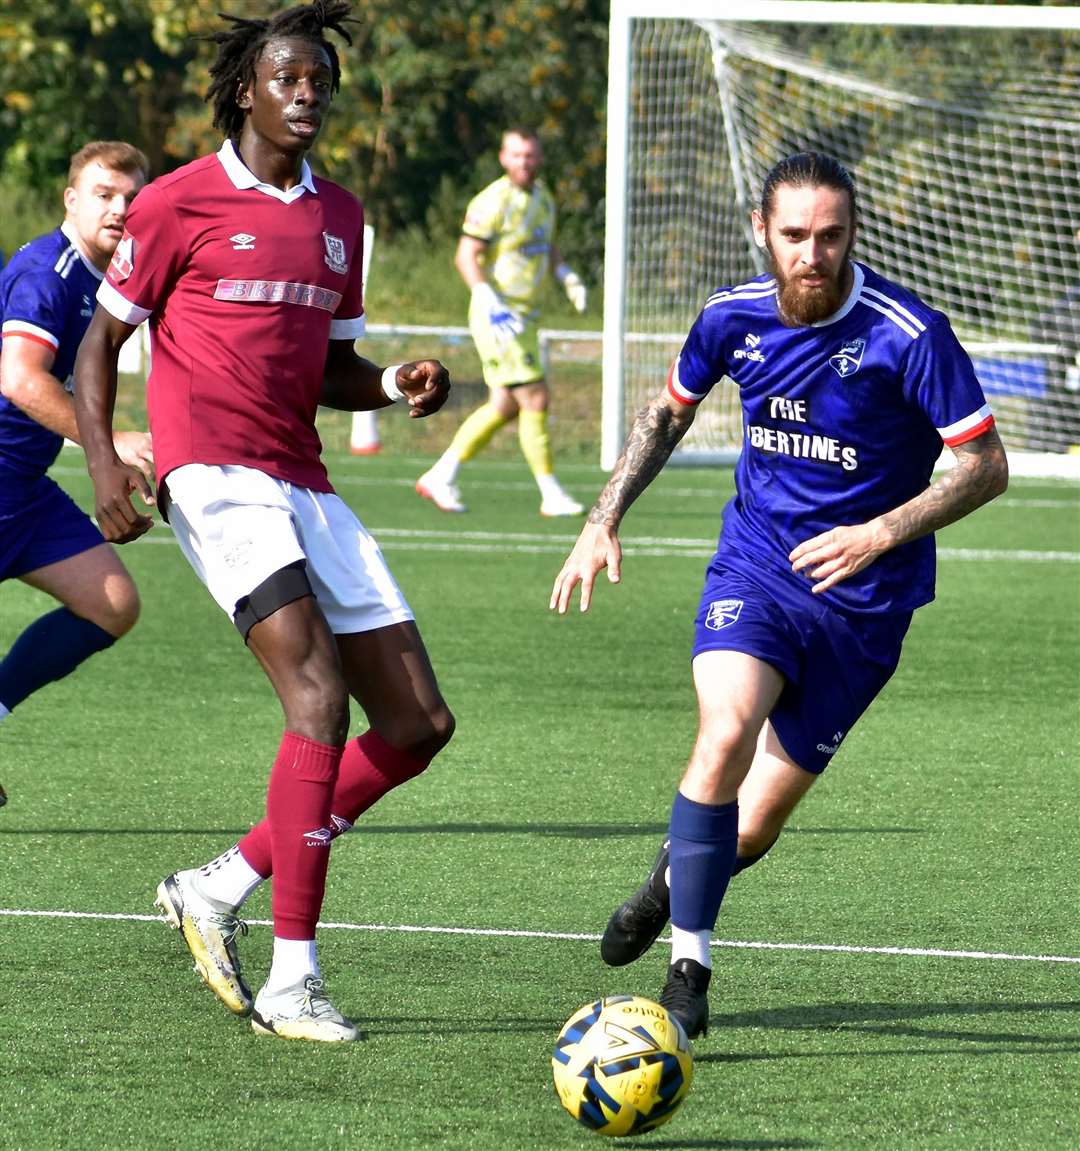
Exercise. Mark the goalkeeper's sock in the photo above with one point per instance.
(471, 437)
(536, 445)
(704, 838)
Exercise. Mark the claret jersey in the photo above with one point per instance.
(243, 285)
(843, 420)
(47, 295)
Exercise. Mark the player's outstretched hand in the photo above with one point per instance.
(426, 384)
(837, 554)
(117, 518)
(597, 547)
(136, 449)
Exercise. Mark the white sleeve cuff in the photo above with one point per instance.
(119, 306)
(353, 329)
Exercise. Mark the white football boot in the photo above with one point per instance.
(301, 1012)
(210, 930)
(445, 496)
(560, 503)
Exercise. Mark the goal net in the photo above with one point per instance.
(965, 147)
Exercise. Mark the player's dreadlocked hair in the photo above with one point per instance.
(239, 49)
(809, 170)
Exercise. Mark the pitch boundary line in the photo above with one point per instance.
(577, 937)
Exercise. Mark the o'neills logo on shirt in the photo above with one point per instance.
(278, 292)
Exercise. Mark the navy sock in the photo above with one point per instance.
(50, 648)
(703, 842)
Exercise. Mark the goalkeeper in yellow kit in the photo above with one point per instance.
(504, 252)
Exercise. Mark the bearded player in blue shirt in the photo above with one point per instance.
(47, 294)
(849, 387)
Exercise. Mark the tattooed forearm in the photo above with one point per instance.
(980, 474)
(657, 429)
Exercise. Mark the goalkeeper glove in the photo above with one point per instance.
(505, 323)
(573, 286)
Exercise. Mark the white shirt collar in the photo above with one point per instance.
(242, 176)
(77, 244)
(852, 298)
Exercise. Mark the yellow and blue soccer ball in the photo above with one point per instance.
(622, 1065)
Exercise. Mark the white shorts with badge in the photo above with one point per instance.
(237, 526)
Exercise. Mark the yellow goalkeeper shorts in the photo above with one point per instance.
(510, 360)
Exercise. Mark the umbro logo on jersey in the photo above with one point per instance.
(723, 613)
(751, 351)
(242, 242)
(847, 360)
(320, 838)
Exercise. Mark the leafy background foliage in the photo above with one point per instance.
(426, 91)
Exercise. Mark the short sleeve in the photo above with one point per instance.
(701, 363)
(482, 216)
(348, 322)
(940, 379)
(147, 260)
(36, 307)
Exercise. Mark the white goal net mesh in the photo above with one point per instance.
(965, 148)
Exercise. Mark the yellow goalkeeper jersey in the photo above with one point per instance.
(518, 226)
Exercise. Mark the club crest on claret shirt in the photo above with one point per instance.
(335, 253)
(848, 359)
(123, 258)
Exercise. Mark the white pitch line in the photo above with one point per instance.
(581, 937)
(528, 543)
(591, 488)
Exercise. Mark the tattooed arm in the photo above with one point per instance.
(981, 472)
(658, 427)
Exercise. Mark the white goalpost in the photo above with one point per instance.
(961, 126)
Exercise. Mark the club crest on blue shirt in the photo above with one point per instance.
(722, 613)
(335, 253)
(848, 359)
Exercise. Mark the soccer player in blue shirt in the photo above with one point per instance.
(47, 294)
(849, 386)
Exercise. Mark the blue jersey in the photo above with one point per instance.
(843, 420)
(47, 294)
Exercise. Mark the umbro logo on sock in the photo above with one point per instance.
(320, 838)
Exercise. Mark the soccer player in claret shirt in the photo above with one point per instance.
(248, 268)
(46, 300)
(849, 387)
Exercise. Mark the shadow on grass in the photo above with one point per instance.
(897, 1020)
(730, 1144)
(563, 830)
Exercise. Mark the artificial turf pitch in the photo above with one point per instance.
(940, 847)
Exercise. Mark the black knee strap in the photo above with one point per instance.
(285, 585)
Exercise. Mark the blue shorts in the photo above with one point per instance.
(834, 663)
(41, 524)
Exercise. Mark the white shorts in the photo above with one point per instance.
(237, 526)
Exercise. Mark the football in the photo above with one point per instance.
(622, 1065)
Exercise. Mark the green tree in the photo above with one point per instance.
(426, 91)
